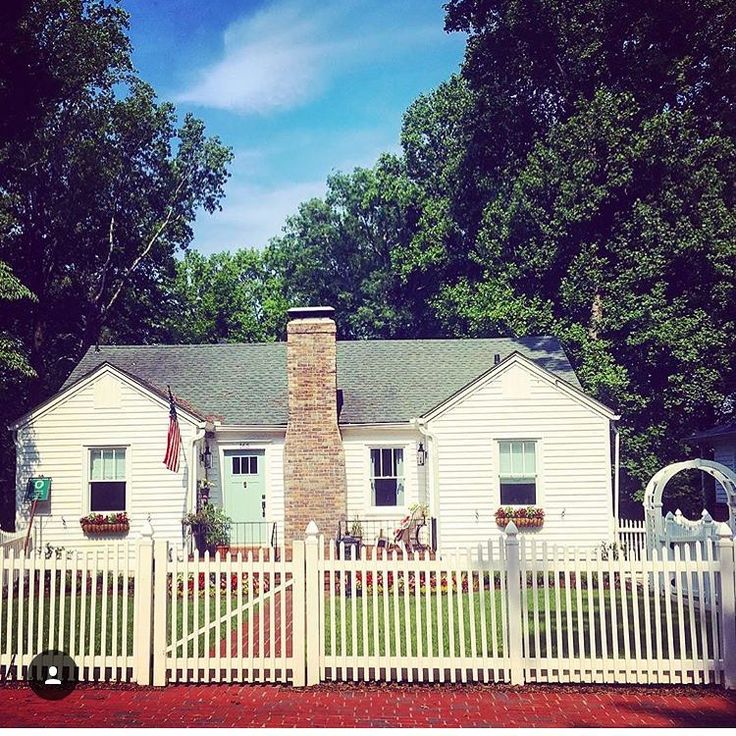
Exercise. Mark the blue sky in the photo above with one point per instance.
(298, 88)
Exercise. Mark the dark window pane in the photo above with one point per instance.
(518, 493)
(387, 465)
(107, 496)
(375, 463)
(385, 492)
(236, 466)
(254, 465)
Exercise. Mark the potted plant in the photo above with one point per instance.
(210, 527)
(356, 529)
(113, 523)
(522, 516)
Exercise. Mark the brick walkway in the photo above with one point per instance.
(239, 640)
(369, 705)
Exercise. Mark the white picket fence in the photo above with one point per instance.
(230, 619)
(631, 534)
(521, 611)
(16, 541)
(513, 610)
(619, 620)
(81, 603)
(414, 620)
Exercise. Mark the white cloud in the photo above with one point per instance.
(285, 54)
(272, 60)
(251, 215)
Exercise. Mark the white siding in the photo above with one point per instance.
(357, 442)
(724, 452)
(273, 445)
(573, 458)
(56, 444)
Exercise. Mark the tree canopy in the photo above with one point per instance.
(99, 185)
(101, 192)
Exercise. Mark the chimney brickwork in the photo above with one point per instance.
(314, 460)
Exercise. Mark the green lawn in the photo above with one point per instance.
(62, 639)
(366, 615)
(99, 608)
(382, 626)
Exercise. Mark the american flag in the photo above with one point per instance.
(173, 441)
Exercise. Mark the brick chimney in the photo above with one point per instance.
(314, 460)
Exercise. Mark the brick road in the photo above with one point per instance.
(369, 705)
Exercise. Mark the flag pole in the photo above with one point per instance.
(30, 525)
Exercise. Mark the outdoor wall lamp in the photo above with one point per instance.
(421, 454)
(206, 457)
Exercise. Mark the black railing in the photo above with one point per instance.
(421, 533)
(253, 534)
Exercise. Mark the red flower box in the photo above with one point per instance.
(105, 528)
(115, 523)
(524, 518)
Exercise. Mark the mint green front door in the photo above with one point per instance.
(245, 496)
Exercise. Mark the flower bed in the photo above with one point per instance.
(117, 523)
(522, 516)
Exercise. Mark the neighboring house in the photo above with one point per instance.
(721, 442)
(315, 429)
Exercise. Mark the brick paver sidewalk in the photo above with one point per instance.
(369, 705)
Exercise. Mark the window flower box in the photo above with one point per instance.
(526, 517)
(117, 523)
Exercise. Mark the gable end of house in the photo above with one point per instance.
(106, 368)
(516, 358)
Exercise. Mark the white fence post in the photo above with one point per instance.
(728, 608)
(298, 613)
(513, 570)
(143, 607)
(312, 603)
(160, 609)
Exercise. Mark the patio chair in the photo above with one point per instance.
(407, 535)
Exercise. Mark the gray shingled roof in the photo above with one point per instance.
(720, 430)
(381, 380)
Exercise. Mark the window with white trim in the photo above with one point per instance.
(107, 479)
(518, 472)
(387, 476)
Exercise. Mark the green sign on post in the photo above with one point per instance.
(38, 489)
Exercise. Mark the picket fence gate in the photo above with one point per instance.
(514, 610)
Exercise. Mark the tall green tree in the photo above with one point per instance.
(226, 297)
(343, 251)
(619, 236)
(102, 191)
(603, 138)
(99, 186)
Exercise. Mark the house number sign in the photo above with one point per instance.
(38, 489)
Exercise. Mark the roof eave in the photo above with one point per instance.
(710, 435)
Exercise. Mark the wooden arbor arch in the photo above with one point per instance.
(655, 523)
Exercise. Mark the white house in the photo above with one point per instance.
(339, 432)
(720, 441)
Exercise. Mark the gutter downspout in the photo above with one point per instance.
(616, 469)
(192, 490)
(16, 444)
(433, 475)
